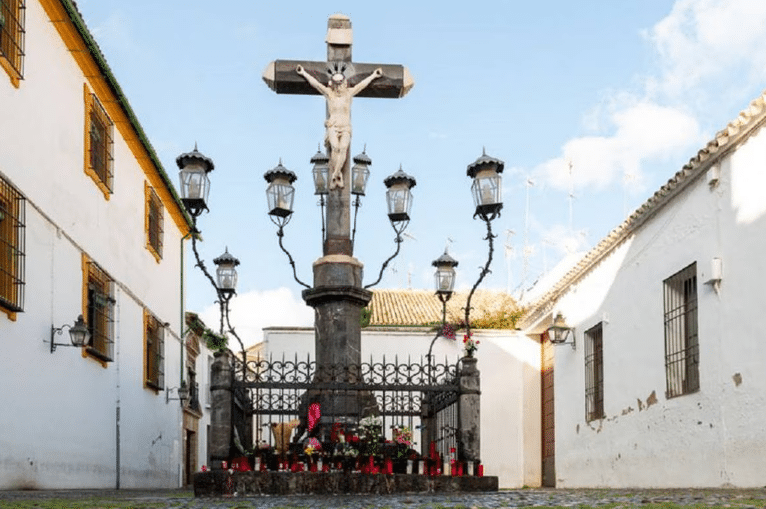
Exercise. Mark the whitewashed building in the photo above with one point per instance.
(89, 225)
(509, 363)
(664, 385)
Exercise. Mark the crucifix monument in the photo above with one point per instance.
(337, 295)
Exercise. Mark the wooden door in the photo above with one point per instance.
(548, 431)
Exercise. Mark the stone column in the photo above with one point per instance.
(221, 392)
(469, 425)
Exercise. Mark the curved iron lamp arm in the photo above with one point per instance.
(439, 333)
(399, 230)
(202, 267)
(233, 333)
(484, 271)
(280, 234)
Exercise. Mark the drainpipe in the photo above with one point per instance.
(182, 342)
(182, 323)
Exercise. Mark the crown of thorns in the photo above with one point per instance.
(337, 68)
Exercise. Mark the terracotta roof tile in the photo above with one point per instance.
(422, 307)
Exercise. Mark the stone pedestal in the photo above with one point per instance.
(220, 439)
(470, 401)
(338, 298)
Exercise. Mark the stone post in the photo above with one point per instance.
(221, 392)
(469, 429)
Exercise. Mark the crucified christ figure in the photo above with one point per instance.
(338, 123)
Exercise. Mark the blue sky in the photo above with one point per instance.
(625, 91)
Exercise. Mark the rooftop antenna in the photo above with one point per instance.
(571, 197)
(527, 251)
(509, 255)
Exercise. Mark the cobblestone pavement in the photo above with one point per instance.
(502, 499)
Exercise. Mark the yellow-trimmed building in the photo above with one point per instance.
(90, 226)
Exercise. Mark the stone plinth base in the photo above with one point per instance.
(220, 483)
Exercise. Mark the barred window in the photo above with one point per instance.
(154, 222)
(594, 373)
(99, 144)
(681, 338)
(12, 38)
(154, 337)
(11, 248)
(100, 311)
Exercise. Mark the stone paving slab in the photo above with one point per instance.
(162, 499)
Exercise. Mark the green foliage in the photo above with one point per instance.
(214, 341)
(504, 318)
(366, 316)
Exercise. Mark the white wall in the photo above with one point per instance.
(714, 437)
(59, 426)
(510, 384)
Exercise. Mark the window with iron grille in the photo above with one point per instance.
(154, 336)
(681, 338)
(12, 38)
(11, 248)
(594, 373)
(99, 144)
(100, 311)
(154, 222)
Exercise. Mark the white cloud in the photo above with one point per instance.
(707, 50)
(642, 131)
(250, 312)
(703, 39)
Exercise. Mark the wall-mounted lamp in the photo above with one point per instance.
(716, 274)
(559, 332)
(183, 393)
(78, 334)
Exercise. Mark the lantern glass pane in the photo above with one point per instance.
(445, 279)
(399, 199)
(359, 176)
(77, 336)
(320, 179)
(195, 184)
(280, 195)
(227, 277)
(486, 189)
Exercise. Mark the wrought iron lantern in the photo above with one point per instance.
(195, 184)
(321, 172)
(398, 196)
(280, 192)
(226, 273)
(445, 274)
(360, 173)
(559, 332)
(487, 185)
(182, 391)
(79, 334)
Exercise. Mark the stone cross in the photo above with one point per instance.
(337, 295)
(361, 80)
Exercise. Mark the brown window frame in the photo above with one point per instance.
(681, 332)
(154, 348)
(12, 38)
(99, 144)
(12, 246)
(154, 222)
(594, 373)
(98, 306)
